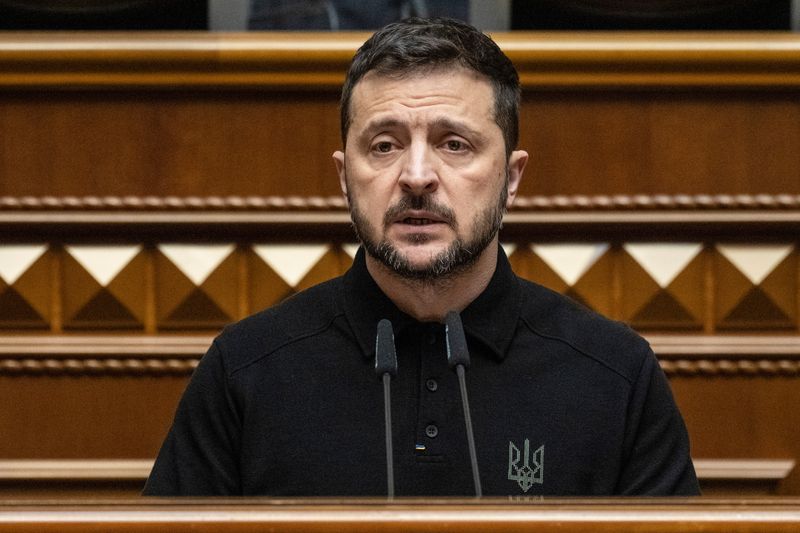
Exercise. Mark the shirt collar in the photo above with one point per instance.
(490, 319)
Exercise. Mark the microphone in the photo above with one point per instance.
(458, 358)
(386, 367)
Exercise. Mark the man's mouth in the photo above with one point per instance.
(414, 221)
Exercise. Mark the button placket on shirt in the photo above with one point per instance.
(432, 408)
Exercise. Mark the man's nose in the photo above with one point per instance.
(419, 175)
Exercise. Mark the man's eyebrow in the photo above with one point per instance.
(378, 125)
(456, 126)
(439, 123)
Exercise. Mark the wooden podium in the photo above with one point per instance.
(362, 515)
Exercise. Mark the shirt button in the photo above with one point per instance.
(431, 431)
(431, 385)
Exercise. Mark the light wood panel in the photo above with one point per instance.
(163, 144)
(309, 60)
(124, 478)
(655, 142)
(764, 516)
(256, 114)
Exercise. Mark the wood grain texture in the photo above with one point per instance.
(765, 516)
(138, 469)
(318, 60)
(256, 114)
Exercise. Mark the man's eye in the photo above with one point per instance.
(455, 146)
(383, 147)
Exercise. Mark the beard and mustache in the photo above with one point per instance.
(459, 255)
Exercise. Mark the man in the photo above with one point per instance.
(564, 402)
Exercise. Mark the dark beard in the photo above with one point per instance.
(457, 258)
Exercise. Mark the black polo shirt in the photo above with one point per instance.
(563, 402)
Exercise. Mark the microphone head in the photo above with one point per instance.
(457, 352)
(385, 355)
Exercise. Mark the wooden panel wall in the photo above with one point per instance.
(203, 114)
(663, 191)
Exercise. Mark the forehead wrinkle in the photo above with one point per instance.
(379, 97)
(438, 122)
(424, 100)
(411, 103)
(388, 106)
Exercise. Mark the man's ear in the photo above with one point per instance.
(516, 165)
(338, 159)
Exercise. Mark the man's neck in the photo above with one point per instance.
(431, 300)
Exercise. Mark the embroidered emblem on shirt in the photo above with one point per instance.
(531, 471)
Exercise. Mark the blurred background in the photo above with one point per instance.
(498, 15)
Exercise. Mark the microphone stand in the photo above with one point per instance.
(458, 358)
(386, 367)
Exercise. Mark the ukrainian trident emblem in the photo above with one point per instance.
(531, 470)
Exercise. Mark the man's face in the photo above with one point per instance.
(425, 171)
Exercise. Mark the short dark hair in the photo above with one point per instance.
(417, 44)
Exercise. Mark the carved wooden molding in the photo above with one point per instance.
(184, 367)
(746, 347)
(741, 347)
(716, 355)
(574, 218)
(91, 346)
(585, 214)
(659, 202)
(175, 203)
(139, 469)
(721, 356)
(96, 355)
(318, 61)
(95, 367)
(620, 202)
(728, 367)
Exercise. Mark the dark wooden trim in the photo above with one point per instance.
(92, 355)
(429, 515)
(138, 469)
(159, 346)
(757, 203)
(740, 346)
(767, 217)
(317, 61)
